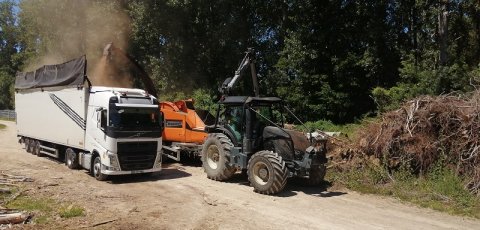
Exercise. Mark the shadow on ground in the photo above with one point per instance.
(165, 174)
(293, 187)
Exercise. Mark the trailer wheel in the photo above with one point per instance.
(267, 172)
(216, 157)
(96, 170)
(26, 141)
(71, 159)
(36, 148)
(29, 145)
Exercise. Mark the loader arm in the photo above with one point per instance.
(247, 61)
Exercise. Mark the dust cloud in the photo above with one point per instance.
(67, 29)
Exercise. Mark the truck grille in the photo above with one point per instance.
(136, 155)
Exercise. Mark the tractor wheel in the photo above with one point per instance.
(216, 157)
(267, 172)
(317, 174)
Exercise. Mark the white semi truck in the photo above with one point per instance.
(108, 131)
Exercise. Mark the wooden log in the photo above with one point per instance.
(13, 218)
(5, 191)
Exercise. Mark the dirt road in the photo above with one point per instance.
(181, 197)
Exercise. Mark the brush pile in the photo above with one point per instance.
(426, 131)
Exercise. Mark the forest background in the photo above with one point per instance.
(335, 60)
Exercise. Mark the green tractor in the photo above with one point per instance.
(248, 135)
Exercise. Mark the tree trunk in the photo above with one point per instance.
(443, 31)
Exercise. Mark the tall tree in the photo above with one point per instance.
(9, 45)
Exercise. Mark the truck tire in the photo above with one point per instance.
(96, 170)
(29, 145)
(36, 148)
(71, 159)
(26, 142)
(216, 157)
(317, 174)
(267, 172)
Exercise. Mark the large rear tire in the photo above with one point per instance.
(216, 157)
(267, 172)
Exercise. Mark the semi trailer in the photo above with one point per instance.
(106, 130)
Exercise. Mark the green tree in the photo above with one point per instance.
(9, 47)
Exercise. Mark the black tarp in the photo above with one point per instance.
(71, 73)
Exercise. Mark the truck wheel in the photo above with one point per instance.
(317, 174)
(267, 172)
(36, 148)
(26, 141)
(216, 157)
(29, 145)
(96, 170)
(71, 159)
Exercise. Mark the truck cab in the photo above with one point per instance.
(123, 132)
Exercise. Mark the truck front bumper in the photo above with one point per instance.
(110, 172)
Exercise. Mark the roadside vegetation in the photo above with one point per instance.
(45, 209)
(440, 189)
(423, 151)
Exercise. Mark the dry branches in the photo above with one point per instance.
(426, 130)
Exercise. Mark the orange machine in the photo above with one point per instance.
(184, 130)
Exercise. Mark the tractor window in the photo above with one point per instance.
(233, 120)
(268, 114)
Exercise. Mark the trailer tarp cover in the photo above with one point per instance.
(71, 73)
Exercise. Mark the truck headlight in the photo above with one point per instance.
(114, 165)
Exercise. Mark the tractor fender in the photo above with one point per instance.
(228, 133)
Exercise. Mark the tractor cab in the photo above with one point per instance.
(244, 118)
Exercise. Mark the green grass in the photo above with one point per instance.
(2, 126)
(5, 196)
(33, 204)
(6, 119)
(71, 211)
(45, 208)
(440, 189)
(328, 126)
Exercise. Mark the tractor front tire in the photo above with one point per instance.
(267, 172)
(216, 157)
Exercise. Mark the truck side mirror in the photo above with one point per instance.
(101, 118)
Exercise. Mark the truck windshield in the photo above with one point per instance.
(129, 118)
